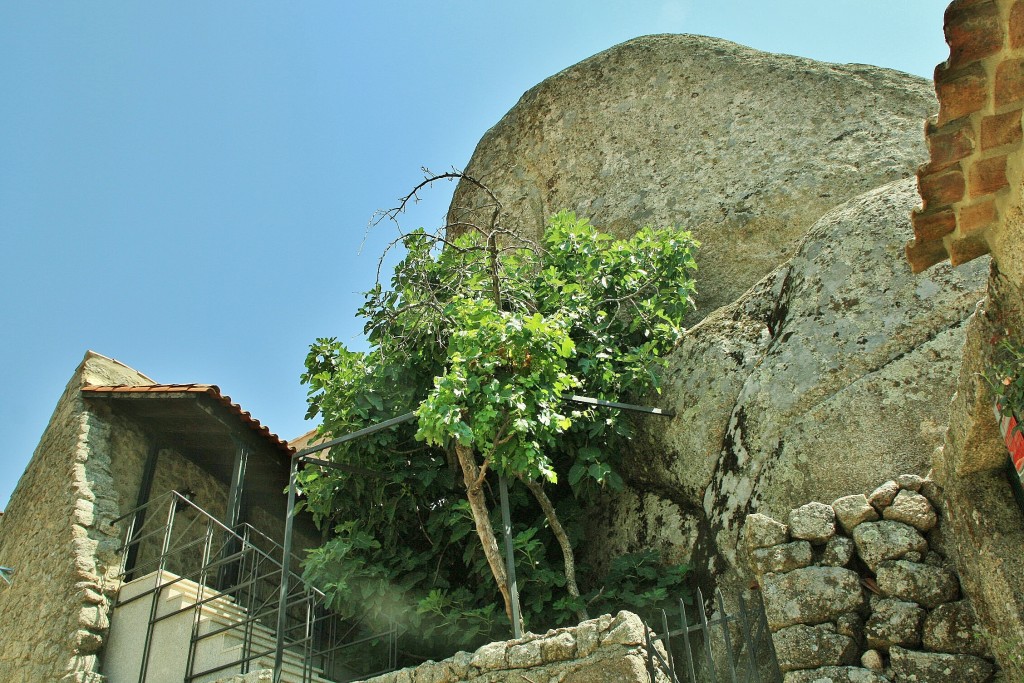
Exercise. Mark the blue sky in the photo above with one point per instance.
(185, 186)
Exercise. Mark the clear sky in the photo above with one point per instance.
(185, 186)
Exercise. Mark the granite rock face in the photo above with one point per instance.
(808, 318)
(777, 396)
(816, 365)
(743, 147)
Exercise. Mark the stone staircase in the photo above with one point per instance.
(169, 645)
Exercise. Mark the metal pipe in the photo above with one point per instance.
(365, 431)
(586, 400)
(286, 560)
(510, 560)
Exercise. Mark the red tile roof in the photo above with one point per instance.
(211, 390)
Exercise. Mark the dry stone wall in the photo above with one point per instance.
(603, 650)
(861, 590)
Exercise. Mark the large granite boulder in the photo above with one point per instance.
(817, 364)
(745, 148)
(828, 376)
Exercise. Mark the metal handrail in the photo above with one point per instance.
(180, 499)
(309, 627)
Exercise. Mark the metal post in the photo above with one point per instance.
(752, 671)
(705, 628)
(158, 582)
(228, 573)
(510, 563)
(139, 519)
(286, 561)
(723, 620)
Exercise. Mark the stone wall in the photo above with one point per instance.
(59, 536)
(56, 534)
(603, 650)
(174, 472)
(862, 590)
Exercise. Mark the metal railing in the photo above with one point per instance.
(238, 574)
(740, 650)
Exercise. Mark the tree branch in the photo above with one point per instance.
(568, 556)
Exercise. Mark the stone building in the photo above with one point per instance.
(118, 441)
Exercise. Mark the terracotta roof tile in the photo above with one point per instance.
(211, 390)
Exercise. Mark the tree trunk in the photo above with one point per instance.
(563, 540)
(481, 516)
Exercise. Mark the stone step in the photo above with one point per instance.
(177, 597)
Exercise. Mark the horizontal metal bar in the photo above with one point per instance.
(586, 400)
(305, 455)
(351, 469)
(366, 431)
(693, 628)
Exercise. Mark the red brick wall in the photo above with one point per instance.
(981, 95)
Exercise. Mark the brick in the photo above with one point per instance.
(973, 33)
(988, 176)
(950, 143)
(961, 92)
(924, 255)
(977, 217)
(1001, 129)
(967, 249)
(934, 225)
(1009, 86)
(940, 189)
(1016, 25)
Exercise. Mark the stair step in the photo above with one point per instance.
(177, 596)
